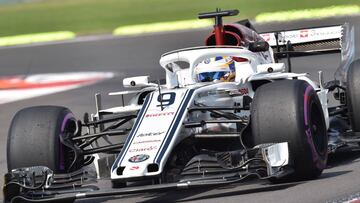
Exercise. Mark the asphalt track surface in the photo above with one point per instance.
(139, 55)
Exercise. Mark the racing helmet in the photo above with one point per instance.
(217, 69)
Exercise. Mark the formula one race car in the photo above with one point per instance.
(229, 111)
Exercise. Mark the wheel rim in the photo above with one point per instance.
(316, 126)
(66, 127)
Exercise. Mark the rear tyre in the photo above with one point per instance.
(353, 95)
(33, 138)
(290, 111)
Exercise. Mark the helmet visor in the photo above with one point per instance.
(211, 76)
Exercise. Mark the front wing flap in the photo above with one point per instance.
(36, 184)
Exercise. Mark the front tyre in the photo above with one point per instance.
(290, 111)
(33, 138)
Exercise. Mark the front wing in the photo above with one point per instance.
(40, 184)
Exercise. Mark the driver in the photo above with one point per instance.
(218, 69)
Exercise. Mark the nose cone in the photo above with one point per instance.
(134, 170)
(136, 165)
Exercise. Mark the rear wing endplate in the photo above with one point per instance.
(313, 41)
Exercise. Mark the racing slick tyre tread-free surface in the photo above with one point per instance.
(290, 111)
(33, 138)
(353, 94)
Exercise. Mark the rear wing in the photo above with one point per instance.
(304, 35)
(313, 41)
(308, 39)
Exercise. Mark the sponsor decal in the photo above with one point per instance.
(149, 134)
(146, 141)
(166, 99)
(244, 91)
(145, 149)
(138, 158)
(159, 114)
(316, 33)
(266, 37)
(177, 121)
(304, 33)
(133, 168)
(290, 36)
(214, 92)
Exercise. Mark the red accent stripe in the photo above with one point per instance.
(17, 83)
(219, 35)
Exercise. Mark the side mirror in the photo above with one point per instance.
(139, 81)
(258, 46)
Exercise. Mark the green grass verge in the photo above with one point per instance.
(34, 38)
(162, 26)
(103, 16)
(331, 11)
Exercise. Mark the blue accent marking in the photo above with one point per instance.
(171, 124)
(174, 128)
(218, 58)
(218, 75)
(232, 66)
(133, 131)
